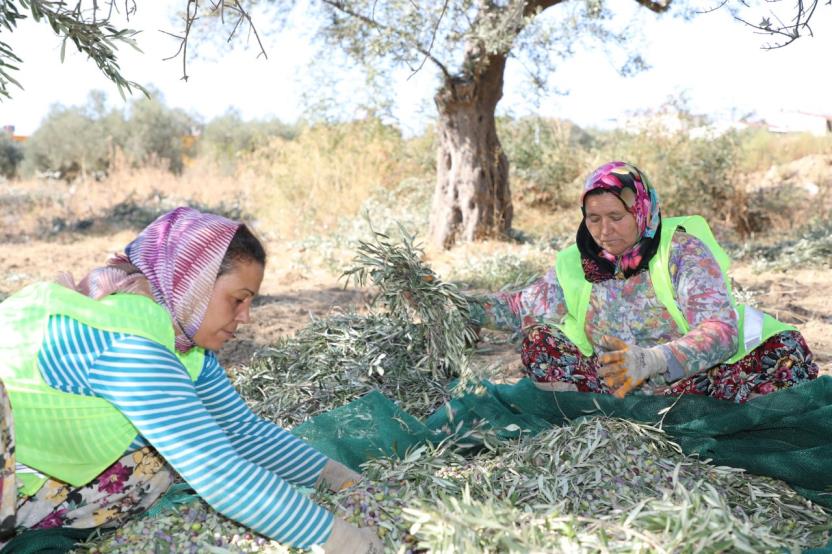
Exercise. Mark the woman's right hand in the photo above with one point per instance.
(346, 538)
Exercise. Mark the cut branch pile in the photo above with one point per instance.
(598, 485)
(411, 349)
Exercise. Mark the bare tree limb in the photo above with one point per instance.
(341, 7)
(432, 37)
(216, 7)
(721, 4)
(789, 31)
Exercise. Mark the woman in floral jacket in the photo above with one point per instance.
(643, 304)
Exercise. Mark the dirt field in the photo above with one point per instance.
(290, 297)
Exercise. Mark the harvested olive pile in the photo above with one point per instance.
(597, 485)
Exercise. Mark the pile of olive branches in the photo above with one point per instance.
(408, 290)
(411, 345)
(597, 485)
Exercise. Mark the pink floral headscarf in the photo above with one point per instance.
(642, 201)
(175, 261)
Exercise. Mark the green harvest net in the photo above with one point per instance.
(786, 435)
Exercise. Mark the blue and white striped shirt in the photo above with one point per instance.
(243, 466)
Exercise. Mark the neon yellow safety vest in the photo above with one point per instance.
(71, 437)
(754, 326)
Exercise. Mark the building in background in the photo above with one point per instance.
(9, 131)
(800, 122)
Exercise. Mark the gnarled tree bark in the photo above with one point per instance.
(472, 198)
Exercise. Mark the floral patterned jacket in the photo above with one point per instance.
(630, 310)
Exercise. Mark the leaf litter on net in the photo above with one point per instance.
(597, 485)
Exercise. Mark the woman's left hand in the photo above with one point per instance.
(336, 476)
(625, 366)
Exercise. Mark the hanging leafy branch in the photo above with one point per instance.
(92, 28)
(89, 29)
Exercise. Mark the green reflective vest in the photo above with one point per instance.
(71, 437)
(754, 326)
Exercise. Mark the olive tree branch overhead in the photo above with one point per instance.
(432, 37)
(794, 24)
(90, 26)
(92, 35)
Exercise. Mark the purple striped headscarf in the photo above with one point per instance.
(175, 261)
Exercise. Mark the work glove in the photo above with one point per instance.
(346, 538)
(626, 366)
(337, 476)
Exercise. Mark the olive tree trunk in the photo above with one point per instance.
(472, 198)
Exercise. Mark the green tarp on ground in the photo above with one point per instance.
(786, 435)
(47, 541)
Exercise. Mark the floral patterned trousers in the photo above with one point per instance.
(124, 489)
(781, 361)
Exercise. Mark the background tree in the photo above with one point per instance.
(82, 141)
(70, 142)
(467, 41)
(155, 133)
(11, 153)
(228, 136)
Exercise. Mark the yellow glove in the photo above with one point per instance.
(626, 366)
(346, 538)
(337, 476)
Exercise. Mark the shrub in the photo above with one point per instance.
(691, 175)
(228, 137)
(11, 154)
(761, 149)
(547, 157)
(156, 134)
(69, 143)
(327, 172)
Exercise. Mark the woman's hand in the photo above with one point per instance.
(336, 476)
(346, 538)
(626, 366)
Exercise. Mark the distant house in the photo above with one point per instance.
(9, 131)
(799, 122)
(670, 120)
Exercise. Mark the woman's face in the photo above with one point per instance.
(230, 304)
(610, 223)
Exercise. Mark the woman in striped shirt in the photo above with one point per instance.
(115, 388)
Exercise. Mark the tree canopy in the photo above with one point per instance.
(411, 32)
(468, 43)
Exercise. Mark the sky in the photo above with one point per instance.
(714, 61)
